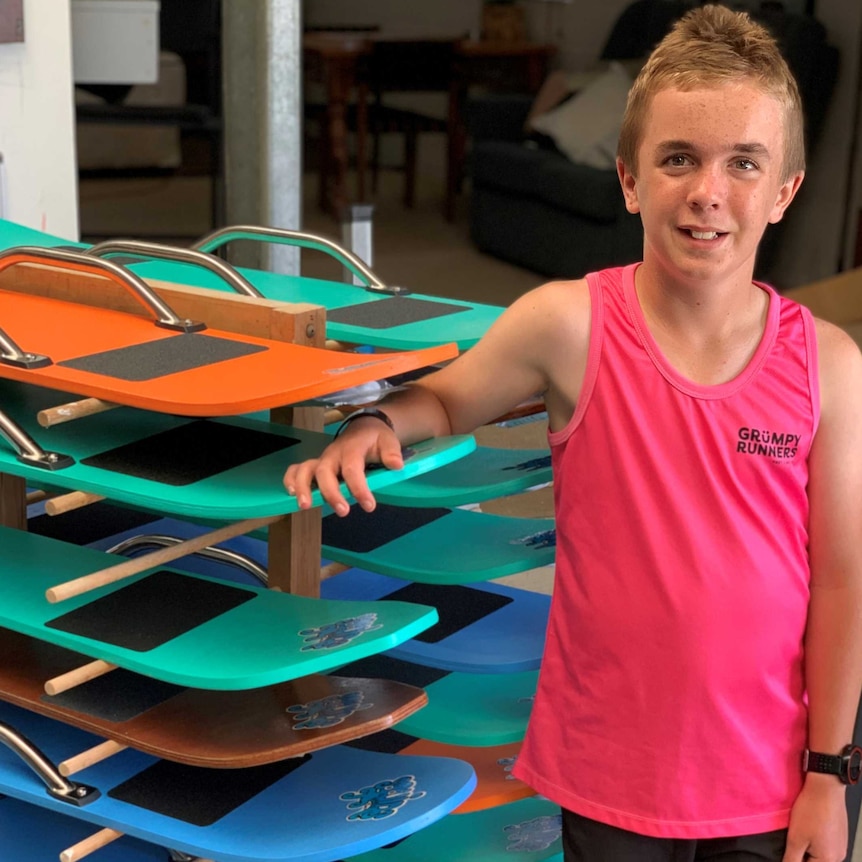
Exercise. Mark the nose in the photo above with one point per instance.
(708, 187)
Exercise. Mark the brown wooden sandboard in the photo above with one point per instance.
(198, 727)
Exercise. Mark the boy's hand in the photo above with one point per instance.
(818, 822)
(366, 441)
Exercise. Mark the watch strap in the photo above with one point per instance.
(847, 765)
(372, 412)
(815, 761)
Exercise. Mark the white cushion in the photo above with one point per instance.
(587, 126)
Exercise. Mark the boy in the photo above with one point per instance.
(706, 436)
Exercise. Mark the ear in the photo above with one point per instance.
(785, 195)
(628, 181)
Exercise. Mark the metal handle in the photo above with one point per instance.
(78, 262)
(183, 255)
(350, 261)
(221, 555)
(27, 449)
(57, 786)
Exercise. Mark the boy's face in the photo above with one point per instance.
(709, 179)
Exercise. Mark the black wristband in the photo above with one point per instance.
(373, 412)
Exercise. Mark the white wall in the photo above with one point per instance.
(37, 121)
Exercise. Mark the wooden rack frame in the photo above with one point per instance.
(294, 542)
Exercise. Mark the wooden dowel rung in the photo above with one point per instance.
(87, 758)
(158, 558)
(330, 570)
(89, 845)
(333, 415)
(38, 496)
(78, 676)
(69, 502)
(73, 410)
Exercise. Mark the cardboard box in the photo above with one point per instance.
(837, 299)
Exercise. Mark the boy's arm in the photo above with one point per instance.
(513, 362)
(833, 642)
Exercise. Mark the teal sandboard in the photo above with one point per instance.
(350, 317)
(529, 830)
(485, 474)
(161, 477)
(483, 627)
(330, 805)
(187, 629)
(463, 708)
(29, 833)
(438, 545)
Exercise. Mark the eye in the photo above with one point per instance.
(745, 164)
(677, 160)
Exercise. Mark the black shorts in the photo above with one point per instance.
(586, 840)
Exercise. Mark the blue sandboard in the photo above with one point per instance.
(463, 708)
(187, 629)
(485, 474)
(29, 833)
(483, 627)
(331, 805)
(529, 830)
(495, 784)
(440, 545)
(242, 490)
(442, 320)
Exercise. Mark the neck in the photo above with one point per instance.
(707, 332)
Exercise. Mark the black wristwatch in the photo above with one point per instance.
(847, 765)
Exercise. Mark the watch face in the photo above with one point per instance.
(854, 763)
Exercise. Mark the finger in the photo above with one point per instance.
(794, 852)
(391, 455)
(297, 477)
(353, 472)
(329, 485)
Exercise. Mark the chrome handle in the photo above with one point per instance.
(350, 261)
(75, 261)
(57, 786)
(221, 555)
(183, 255)
(27, 450)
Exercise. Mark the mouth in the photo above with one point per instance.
(702, 234)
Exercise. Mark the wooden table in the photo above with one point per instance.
(338, 61)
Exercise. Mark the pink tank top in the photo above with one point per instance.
(671, 698)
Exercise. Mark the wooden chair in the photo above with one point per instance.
(406, 66)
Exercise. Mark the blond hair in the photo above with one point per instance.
(708, 46)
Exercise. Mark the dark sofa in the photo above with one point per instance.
(532, 206)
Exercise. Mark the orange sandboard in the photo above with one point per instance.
(128, 359)
(495, 784)
(200, 727)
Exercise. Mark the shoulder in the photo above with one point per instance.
(557, 314)
(555, 303)
(840, 370)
